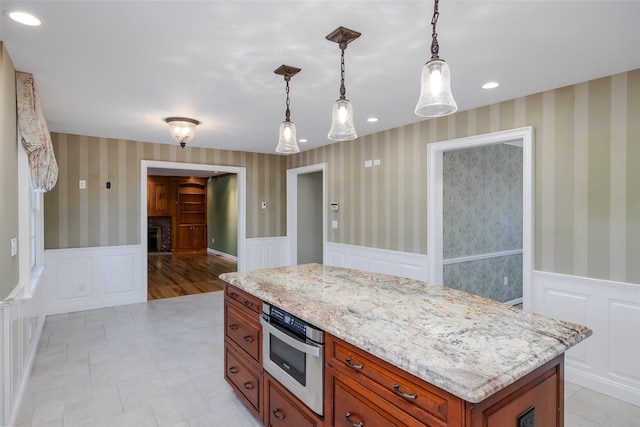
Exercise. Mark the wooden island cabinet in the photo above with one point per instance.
(517, 384)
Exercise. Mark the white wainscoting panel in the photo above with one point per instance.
(88, 278)
(21, 323)
(265, 252)
(609, 360)
(401, 264)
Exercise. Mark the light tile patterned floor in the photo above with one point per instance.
(160, 364)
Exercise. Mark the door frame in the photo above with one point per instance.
(240, 172)
(435, 240)
(292, 209)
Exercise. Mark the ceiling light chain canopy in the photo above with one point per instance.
(436, 99)
(182, 129)
(342, 128)
(287, 142)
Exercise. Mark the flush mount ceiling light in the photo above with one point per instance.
(287, 143)
(182, 129)
(490, 85)
(23, 18)
(435, 99)
(342, 128)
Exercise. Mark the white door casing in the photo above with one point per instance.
(435, 200)
(292, 209)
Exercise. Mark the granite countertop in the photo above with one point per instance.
(467, 345)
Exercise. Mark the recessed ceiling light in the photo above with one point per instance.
(490, 85)
(23, 18)
(302, 140)
(372, 119)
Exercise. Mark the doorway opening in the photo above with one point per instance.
(191, 272)
(445, 262)
(307, 214)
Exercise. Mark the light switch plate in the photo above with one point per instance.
(334, 224)
(14, 246)
(82, 184)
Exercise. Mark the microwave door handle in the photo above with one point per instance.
(298, 345)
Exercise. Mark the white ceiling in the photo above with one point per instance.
(115, 69)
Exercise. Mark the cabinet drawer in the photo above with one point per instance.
(414, 396)
(244, 379)
(283, 410)
(354, 405)
(243, 331)
(243, 298)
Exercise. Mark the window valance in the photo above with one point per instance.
(36, 138)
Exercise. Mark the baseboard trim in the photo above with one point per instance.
(224, 254)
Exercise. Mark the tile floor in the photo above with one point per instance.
(160, 363)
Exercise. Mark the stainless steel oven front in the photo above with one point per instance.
(293, 353)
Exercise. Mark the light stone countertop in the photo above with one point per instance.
(467, 345)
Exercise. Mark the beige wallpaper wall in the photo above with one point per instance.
(587, 204)
(8, 174)
(104, 217)
(587, 177)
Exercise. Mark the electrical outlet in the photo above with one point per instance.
(506, 280)
(213, 240)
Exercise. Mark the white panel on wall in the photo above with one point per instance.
(117, 274)
(254, 257)
(336, 259)
(570, 307)
(401, 264)
(358, 262)
(607, 361)
(266, 252)
(88, 278)
(624, 348)
(275, 255)
(73, 278)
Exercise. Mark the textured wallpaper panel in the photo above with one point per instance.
(587, 177)
(99, 216)
(482, 195)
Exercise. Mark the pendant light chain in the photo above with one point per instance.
(343, 90)
(434, 36)
(287, 112)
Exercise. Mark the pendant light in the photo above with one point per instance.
(182, 129)
(436, 99)
(287, 143)
(342, 128)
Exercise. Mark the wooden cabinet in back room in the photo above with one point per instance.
(191, 214)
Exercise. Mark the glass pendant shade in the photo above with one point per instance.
(182, 129)
(436, 99)
(287, 142)
(342, 128)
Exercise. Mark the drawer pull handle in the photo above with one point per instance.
(233, 370)
(248, 338)
(247, 303)
(233, 295)
(353, 365)
(356, 424)
(396, 388)
(248, 385)
(277, 412)
(233, 327)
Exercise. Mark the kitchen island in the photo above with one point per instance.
(470, 348)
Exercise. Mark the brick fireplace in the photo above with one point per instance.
(159, 233)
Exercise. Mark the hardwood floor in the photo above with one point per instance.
(180, 274)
